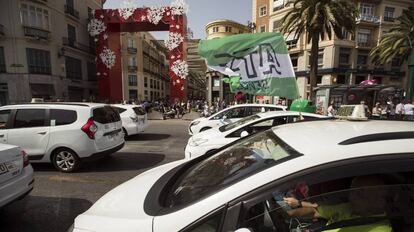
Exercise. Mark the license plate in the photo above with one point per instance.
(3, 168)
(112, 136)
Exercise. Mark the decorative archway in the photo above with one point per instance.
(106, 26)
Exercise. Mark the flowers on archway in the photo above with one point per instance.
(180, 68)
(108, 57)
(155, 14)
(96, 27)
(127, 9)
(173, 41)
(179, 7)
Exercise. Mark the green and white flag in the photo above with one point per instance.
(257, 64)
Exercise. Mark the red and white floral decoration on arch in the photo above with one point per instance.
(106, 26)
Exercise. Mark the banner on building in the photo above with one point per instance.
(257, 64)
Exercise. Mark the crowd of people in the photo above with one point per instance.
(392, 109)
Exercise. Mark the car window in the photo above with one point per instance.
(238, 123)
(105, 114)
(4, 118)
(301, 118)
(238, 112)
(210, 224)
(222, 169)
(30, 118)
(62, 117)
(259, 126)
(370, 201)
(255, 110)
(139, 111)
(119, 109)
(273, 109)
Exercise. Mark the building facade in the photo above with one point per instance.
(46, 51)
(216, 88)
(344, 61)
(145, 68)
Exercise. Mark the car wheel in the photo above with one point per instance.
(205, 128)
(65, 160)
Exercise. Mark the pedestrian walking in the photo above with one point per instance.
(331, 110)
(409, 111)
(399, 110)
(376, 111)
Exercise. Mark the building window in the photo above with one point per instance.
(216, 82)
(71, 35)
(133, 94)
(215, 29)
(228, 29)
(278, 4)
(363, 37)
(276, 25)
(344, 54)
(2, 61)
(366, 9)
(38, 61)
(132, 80)
(341, 79)
(294, 59)
(34, 16)
(320, 58)
(132, 61)
(362, 59)
(263, 11)
(263, 28)
(73, 68)
(389, 14)
(151, 84)
(146, 82)
(91, 71)
(131, 43)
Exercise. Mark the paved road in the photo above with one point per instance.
(58, 198)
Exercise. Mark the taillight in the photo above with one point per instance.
(90, 128)
(25, 158)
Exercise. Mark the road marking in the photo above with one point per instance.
(79, 179)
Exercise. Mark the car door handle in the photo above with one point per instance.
(42, 133)
(1, 136)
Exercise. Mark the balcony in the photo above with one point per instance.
(132, 50)
(132, 68)
(1, 29)
(36, 32)
(71, 11)
(368, 19)
(73, 44)
(365, 44)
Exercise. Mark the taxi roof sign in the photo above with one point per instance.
(352, 112)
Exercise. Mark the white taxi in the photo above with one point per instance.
(361, 169)
(211, 140)
(134, 118)
(229, 115)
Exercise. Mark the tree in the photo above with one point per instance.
(398, 42)
(318, 19)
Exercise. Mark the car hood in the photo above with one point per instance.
(212, 134)
(122, 209)
(199, 119)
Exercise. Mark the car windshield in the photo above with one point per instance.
(235, 163)
(238, 123)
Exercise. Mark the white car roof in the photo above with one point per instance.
(55, 104)
(249, 105)
(270, 114)
(126, 106)
(380, 137)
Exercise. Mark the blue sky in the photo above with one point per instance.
(201, 12)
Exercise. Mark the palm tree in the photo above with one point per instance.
(398, 42)
(317, 19)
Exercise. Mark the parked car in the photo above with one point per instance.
(211, 140)
(229, 115)
(64, 134)
(238, 187)
(134, 118)
(16, 174)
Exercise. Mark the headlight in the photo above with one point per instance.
(195, 123)
(197, 142)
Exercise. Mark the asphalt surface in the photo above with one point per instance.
(58, 198)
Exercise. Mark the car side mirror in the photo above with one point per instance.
(243, 230)
(244, 134)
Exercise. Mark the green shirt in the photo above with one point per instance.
(342, 212)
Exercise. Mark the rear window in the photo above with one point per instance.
(120, 110)
(105, 115)
(139, 111)
(238, 123)
(237, 162)
(62, 117)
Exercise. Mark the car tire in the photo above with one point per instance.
(65, 160)
(205, 128)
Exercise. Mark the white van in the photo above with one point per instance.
(134, 118)
(64, 134)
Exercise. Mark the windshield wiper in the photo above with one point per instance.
(350, 223)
